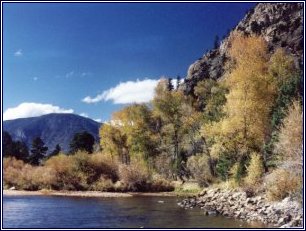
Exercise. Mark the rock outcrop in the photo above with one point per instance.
(280, 24)
(236, 204)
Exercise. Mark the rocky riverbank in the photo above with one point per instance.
(236, 204)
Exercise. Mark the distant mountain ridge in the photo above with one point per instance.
(52, 128)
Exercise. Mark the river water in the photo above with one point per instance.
(132, 212)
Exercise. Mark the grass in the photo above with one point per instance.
(187, 188)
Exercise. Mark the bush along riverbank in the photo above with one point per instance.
(236, 204)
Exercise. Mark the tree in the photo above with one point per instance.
(288, 80)
(250, 86)
(290, 87)
(38, 151)
(178, 120)
(170, 84)
(20, 150)
(246, 125)
(167, 105)
(210, 99)
(178, 82)
(290, 144)
(82, 141)
(138, 125)
(17, 149)
(56, 151)
(287, 178)
(198, 165)
(112, 142)
(255, 170)
(131, 134)
(7, 144)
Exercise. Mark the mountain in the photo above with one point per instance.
(280, 24)
(52, 128)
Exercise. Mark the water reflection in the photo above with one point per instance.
(135, 212)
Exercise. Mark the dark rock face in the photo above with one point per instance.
(280, 24)
(53, 129)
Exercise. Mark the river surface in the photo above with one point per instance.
(132, 212)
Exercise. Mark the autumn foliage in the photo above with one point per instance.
(244, 129)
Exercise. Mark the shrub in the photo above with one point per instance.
(102, 184)
(254, 170)
(67, 172)
(281, 183)
(162, 165)
(135, 176)
(26, 177)
(224, 165)
(11, 171)
(249, 190)
(103, 164)
(160, 184)
(40, 178)
(12, 162)
(25, 180)
(188, 188)
(200, 169)
(82, 172)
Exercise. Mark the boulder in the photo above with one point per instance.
(212, 213)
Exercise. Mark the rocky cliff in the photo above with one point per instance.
(280, 24)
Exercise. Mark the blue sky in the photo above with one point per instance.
(93, 58)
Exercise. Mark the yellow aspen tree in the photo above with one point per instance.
(290, 143)
(180, 124)
(113, 142)
(135, 123)
(248, 104)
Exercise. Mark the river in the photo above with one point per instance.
(132, 212)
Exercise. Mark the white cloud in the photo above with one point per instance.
(98, 120)
(84, 114)
(18, 53)
(174, 82)
(25, 110)
(140, 91)
(69, 74)
(73, 74)
(85, 74)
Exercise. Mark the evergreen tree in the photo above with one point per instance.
(20, 150)
(178, 82)
(170, 86)
(83, 141)
(56, 151)
(7, 144)
(17, 149)
(38, 151)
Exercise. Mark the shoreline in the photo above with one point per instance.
(236, 204)
(7, 192)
